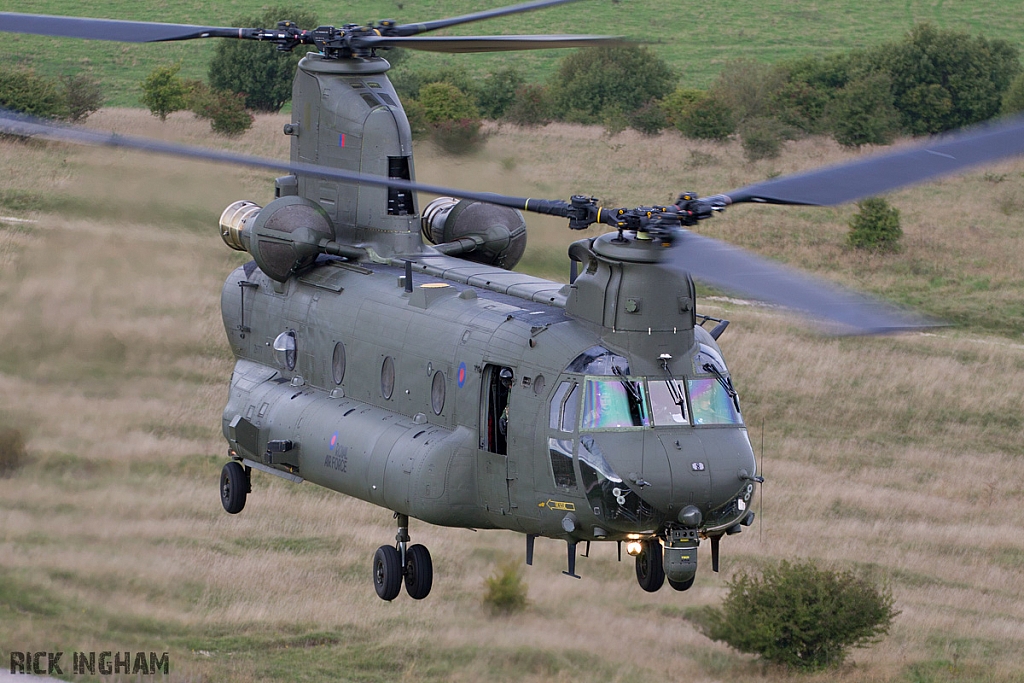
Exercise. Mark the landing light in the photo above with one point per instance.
(634, 548)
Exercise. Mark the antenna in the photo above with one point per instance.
(760, 491)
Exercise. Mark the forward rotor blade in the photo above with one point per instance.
(487, 43)
(109, 29)
(875, 175)
(423, 27)
(736, 270)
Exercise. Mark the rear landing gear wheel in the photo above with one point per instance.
(234, 484)
(650, 572)
(387, 572)
(682, 585)
(419, 572)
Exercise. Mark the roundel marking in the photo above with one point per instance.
(462, 374)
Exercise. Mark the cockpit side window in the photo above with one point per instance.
(571, 408)
(555, 409)
(614, 403)
(711, 403)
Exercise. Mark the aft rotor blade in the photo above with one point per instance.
(736, 270)
(875, 175)
(487, 43)
(423, 27)
(109, 29)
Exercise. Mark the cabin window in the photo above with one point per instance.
(437, 392)
(711, 403)
(284, 349)
(387, 378)
(338, 363)
(614, 404)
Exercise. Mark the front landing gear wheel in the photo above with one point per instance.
(682, 585)
(650, 572)
(387, 572)
(419, 572)
(234, 484)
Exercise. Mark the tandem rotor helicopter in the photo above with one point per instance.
(435, 382)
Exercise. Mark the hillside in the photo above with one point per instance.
(694, 38)
(898, 456)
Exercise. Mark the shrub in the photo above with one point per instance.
(506, 591)
(649, 119)
(457, 137)
(445, 102)
(417, 117)
(409, 82)
(12, 451)
(225, 110)
(708, 119)
(801, 616)
(762, 139)
(498, 92)
(747, 88)
(807, 85)
(945, 79)
(29, 93)
(531, 107)
(1013, 98)
(875, 226)
(84, 96)
(680, 101)
(258, 71)
(862, 113)
(591, 80)
(164, 92)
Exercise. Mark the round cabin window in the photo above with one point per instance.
(284, 349)
(387, 378)
(437, 390)
(338, 363)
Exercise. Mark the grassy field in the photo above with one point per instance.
(898, 456)
(694, 38)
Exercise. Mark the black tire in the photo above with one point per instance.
(650, 572)
(683, 585)
(419, 572)
(387, 572)
(234, 485)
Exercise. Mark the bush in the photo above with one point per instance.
(498, 92)
(409, 82)
(875, 226)
(862, 113)
(678, 102)
(457, 137)
(945, 79)
(164, 92)
(445, 102)
(762, 139)
(258, 71)
(531, 106)
(12, 451)
(649, 119)
(592, 80)
(84, 96)
(1013, 98)
(747, 88)
(225, 110)
(417, 117)
(708, 119)
(506, 591)
(807, 86)
(26, 92)
(801, 616)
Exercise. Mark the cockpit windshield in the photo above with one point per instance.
(614, 403)
(711, 403)
(668, 402)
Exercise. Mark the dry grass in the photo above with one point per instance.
(897, 455)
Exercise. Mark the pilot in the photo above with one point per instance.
(505, 376)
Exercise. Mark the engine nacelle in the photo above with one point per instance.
(479, 232)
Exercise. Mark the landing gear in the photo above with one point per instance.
(393, 564)
(650, 572)
(234, 485)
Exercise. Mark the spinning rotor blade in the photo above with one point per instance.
(487, 43)
(733, 269)
(109, 29)
(423, 27)
(847, 182)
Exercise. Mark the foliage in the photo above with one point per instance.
(506, 590)
(445, 102)
(801, 616)
(875, 226)
(747, 88)
(457, 137)
(164, 92)
(806, 86)
(649, 119)
(84, 96)
(762, 139)
(945, 79)
(29, 93)
(498, 92)
(862, 113)
(417, 117)
(259, 72)
(409, 82)
(225, 110)
(592, 80)
(707, 119)
(1013, 98)
(678, 102)
(531, 107)
(12, 450)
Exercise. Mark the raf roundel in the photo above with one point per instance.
(462, 374)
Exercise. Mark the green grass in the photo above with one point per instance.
(695, 39)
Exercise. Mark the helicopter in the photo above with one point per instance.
(390, 353)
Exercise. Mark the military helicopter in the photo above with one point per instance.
(435, 382)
